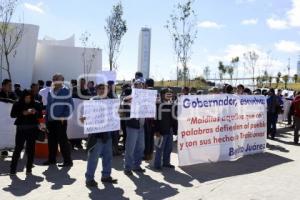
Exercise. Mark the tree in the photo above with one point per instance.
(10, 34)
(182, 28)
(278, 79)
(115, 29)
(222, 70)
(285, 79)
(230, 71)
(265, 77)
(88, 57)
(259, 81)
(235, 63)
(251, 57)
(295, 78)
(206, 72)
(270, 81)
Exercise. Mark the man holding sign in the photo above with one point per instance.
(100, 118)
(141, 106)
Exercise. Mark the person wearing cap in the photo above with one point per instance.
(138, 75)
(135, 140)
(165, 127)
(99, 145)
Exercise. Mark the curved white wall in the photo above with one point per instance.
(51, 59)
(23, 62)
(69, 42)
(39, 60)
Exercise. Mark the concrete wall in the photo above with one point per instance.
(23, 62)
(69, 42)
(51, 59)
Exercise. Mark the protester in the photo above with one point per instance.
(115, 134)
(59, 108)
(99, 145)
(185, 90)
(229, 89)
(84, 93)
(193, 91)
(26, 111)
(126, 91)
(74, 88)
(44, 92)
(17, 90)
(135, 140)
(296, 112)
(240, 89)
(91, 88)
(149, 128)
(35, 92)
(273, 107)
(138, 75)
(6, 93)
(7, 96)
(165, 126)
(247, 91)
(41, 84)
(81, 93)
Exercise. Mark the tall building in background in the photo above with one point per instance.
(298, 66)
(144, 52)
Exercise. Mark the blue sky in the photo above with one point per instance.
(226, 28)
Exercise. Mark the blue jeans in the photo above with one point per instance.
(165, 150)
(103, 150)
(134, 148)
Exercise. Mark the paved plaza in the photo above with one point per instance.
(272, 175)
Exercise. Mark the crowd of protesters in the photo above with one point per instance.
(139, 139)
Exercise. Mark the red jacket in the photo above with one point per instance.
(296, 106)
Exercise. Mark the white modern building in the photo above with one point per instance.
(144, 52)
(40, 59)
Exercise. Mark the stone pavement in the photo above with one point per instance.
(272, 175)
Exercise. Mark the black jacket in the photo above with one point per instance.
(22, 120)
(7, 97)
(164, 121)
(130, 122)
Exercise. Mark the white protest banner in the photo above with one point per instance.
(105, 76)
(75, 128)
(7, 127)
(101, 116)
(143, 104)
(214, 128)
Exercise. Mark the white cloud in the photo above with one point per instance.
(277, 23)
(291, 19)
(35, 7)
(264, 61)
(249, 22)
(294, 14)
(210, 24)
(287, 46)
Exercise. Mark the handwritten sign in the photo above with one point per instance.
(101, 116)
(143, 103)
